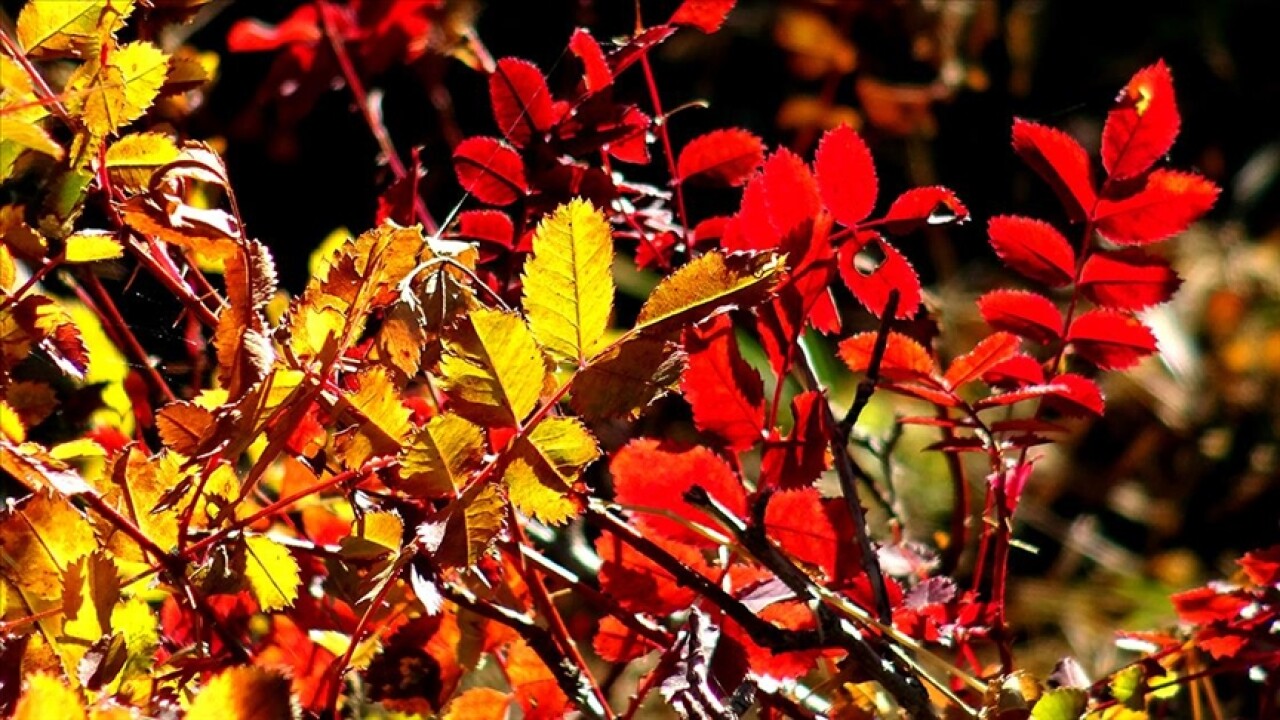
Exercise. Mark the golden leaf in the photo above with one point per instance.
(48, 698)
(53, 28)
(383, 424)
(133, 159)
(245, 354)
(90, 592)
(708, 285)
(468, 527)
(32, 466)
(271, 572)
(92, 245)
(39, 538)
(244, 693)
(568, 282)
(441, 457)
(11, 426)
(545, 464)
(492, 369)
(183, 425)
(110, 96)
(31, 136)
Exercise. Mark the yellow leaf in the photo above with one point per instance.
(110, 96)
(383, 422)
(623, 380)
(37, 469)
(442, 456)
(271, 571)
(92, 245)
(244, 693)
(48, 698)
(11, 425)
(136, 485)
(8, 270)
(39, 538)
(183, 425)
(708, 285)
(137, 624)
(133, 159)
(91, 590)
(30, 136)
(374, 535)
(544, 466)
(492, 368)
(568, 282)
(18, 99)
(51, 28)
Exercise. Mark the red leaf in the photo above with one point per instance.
(725, 392)
(1018, 371)
(638, 583)
(1031, 315)
(650, 474)
(1079, 397)
(988, 353)
(924, 206)
(1110, 339)
(618, 643)
(1128, 279)
(706, 15)
(708, 232)
(490, 169)
(754, 228)
(797, 460)
(596, 74)
(791, 194)
(302, 27)
(846, 175)
(871, 286)
(637, 46)
(1143, 125)
(904, 358)
(930, 393)
(782, 666)
(797, 521)
(1205, 605)
(1034, 248)
(725, 157)
(1059, 159)
(1168, 203)
(487, 226)
(1027, 392)
(522, 104)
(398, 201)
(633, 146)
(1263, 566)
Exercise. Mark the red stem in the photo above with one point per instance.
(660, 120)
(371, 118)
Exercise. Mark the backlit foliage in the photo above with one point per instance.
(347, 505)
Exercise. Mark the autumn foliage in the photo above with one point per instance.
(430, 483)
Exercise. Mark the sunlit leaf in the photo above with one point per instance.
(383, 423)
(708, 285)
(846, 175)
(1111, 339)
(92, 245)
(1030, 315)
(133, 159)
(49, 698)
(626, 378)
(638, 485)
(1143, 125)
(442, 456)
(53, 28)
(111, 95)
(546, 464)
(522, 104)
(271, 572)
(243, 693)
(1061, 161)
(1034, 248)
(724, 157)
(726, 394)
(492, 369)
(568, 282)
(1167, 204)
(40, 537)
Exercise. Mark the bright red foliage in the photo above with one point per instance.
(1144, 124)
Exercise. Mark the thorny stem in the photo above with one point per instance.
(547, 608)
(660, 121)
(372, 117)
(838, 439)
(116, 326)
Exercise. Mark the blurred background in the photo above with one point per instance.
(1182, 475)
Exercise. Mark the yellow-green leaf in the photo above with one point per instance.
(544, 466)
(48, 698)
(271, 571)
(442, 456)
(91, 246)
(11, 426)
(712, 283)
(1060, 704)
(568, 282)
(462, 533)
(244, 693)
(133, 159)
(30, 136)
(110, 96)
(492, 369)
(50, 28)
